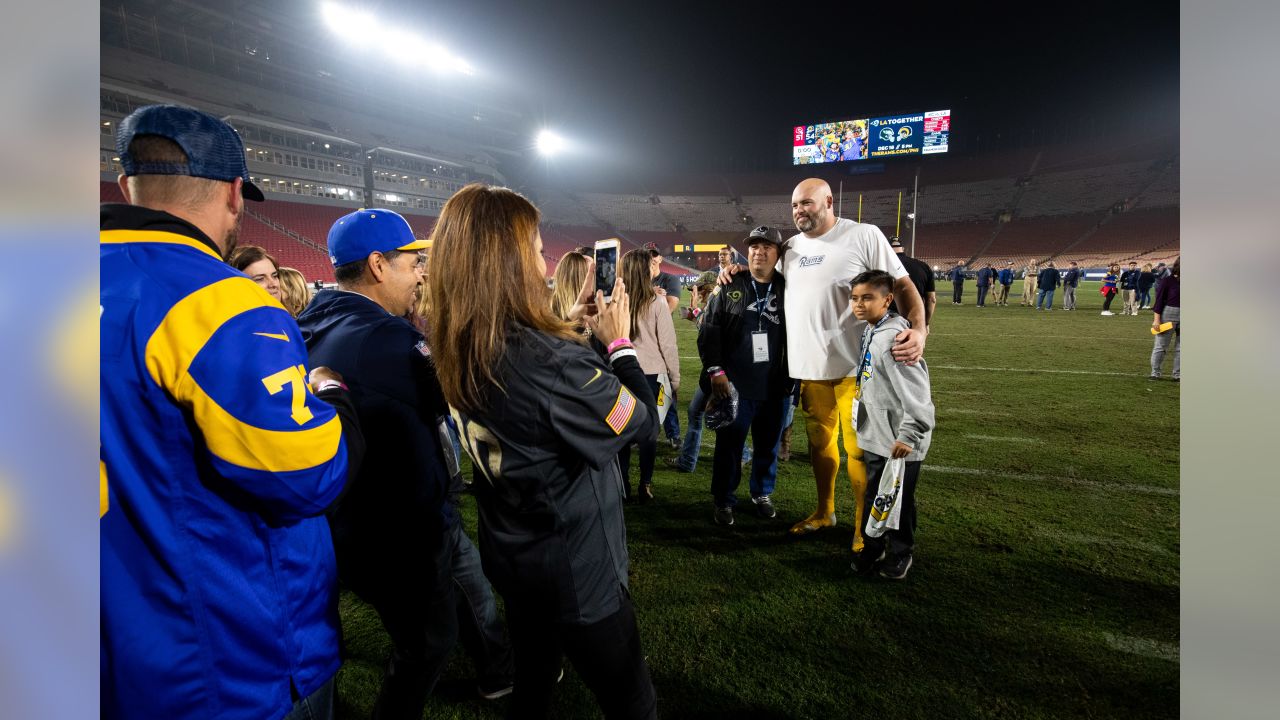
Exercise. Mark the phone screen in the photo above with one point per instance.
(606, 268)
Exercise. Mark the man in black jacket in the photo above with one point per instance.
(391, 531)
(743, 343)
(1070, 282)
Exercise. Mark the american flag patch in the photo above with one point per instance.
(622, 410)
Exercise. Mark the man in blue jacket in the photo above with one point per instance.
(220, 453)
(986, 277)
(391, 532)
(1006, 281)
(1070, 282)
(1046, 282)
(956, 276)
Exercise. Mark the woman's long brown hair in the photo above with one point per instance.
(635, 276)
(483, 281)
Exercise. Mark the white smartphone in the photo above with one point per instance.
(606, 266)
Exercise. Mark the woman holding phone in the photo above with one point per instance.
(543, 418)
(654, 335)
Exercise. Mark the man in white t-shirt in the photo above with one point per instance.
(824, 338)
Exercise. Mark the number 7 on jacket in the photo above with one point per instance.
(296, 376)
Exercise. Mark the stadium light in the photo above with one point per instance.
(549, 143)
(352, 24)
(400, 45)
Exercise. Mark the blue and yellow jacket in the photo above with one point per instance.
(218, 585)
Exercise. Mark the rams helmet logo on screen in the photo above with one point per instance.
(904, 132)
(886, 134)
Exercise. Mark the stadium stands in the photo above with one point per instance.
(1135, 235)
(1026, 239)
(945, 243)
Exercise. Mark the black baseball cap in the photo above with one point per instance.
(894, 242)
(764, 233)
(214, 149)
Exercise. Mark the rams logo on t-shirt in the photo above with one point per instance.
(808, 260)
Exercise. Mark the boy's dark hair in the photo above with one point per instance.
(875, 278)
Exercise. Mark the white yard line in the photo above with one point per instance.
(1115, 487)
(1035, 370)
(1003, 438)
(1037, 336)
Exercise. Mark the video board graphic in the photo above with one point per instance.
(863, 138)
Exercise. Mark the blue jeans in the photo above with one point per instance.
(316, 706)
(671, 424)
(479, 627)
(763, 418)
(1045, 297)
(1144, 298)
(693, 438)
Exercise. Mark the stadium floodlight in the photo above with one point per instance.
(549, 143)
(351, 24)
(400, 45)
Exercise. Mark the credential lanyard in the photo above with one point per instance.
(761, 303)
(866, 351)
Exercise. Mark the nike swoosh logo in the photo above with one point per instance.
(594, 377)
(277, 336)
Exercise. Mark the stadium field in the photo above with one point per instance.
(1047, 567)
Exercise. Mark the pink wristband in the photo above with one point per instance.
(717, 373)
(619, 343)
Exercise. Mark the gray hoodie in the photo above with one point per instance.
(895, 402)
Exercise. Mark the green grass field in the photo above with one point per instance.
(1046, 573)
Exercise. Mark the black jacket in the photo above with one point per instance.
(399, 495)
(723, 330)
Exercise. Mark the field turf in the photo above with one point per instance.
(1046, 574)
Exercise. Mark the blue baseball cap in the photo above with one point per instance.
(213, 148)
(353, 237)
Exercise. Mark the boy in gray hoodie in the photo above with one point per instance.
(894, 418)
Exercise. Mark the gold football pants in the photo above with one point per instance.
(828, 406)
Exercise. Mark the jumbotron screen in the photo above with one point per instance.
(879, 137)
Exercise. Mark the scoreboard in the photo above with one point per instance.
(923, 133)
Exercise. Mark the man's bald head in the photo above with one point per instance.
(811, 207)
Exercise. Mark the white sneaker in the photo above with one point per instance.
(1107, 312)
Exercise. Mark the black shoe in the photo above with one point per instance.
(896, 568)
(764, 506)
(864, 563)
(724, 515)
(1153, 377)
(675, 443)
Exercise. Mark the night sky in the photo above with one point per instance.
(716, 86)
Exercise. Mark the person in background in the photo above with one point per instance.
(654, 336)
(1070, 282)
(1129, 286)
(687, 460)
(543, 418)
(1108, 289)
(1046, 282)
(1161, 272)
(986, 278)
(1006, 281)
(294, 293)
(1029, 277)
(1168, 308)
(921, 276)
(259, 266)
(725, 257)
(667, 286)
(1146, 280)
(956, 276)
